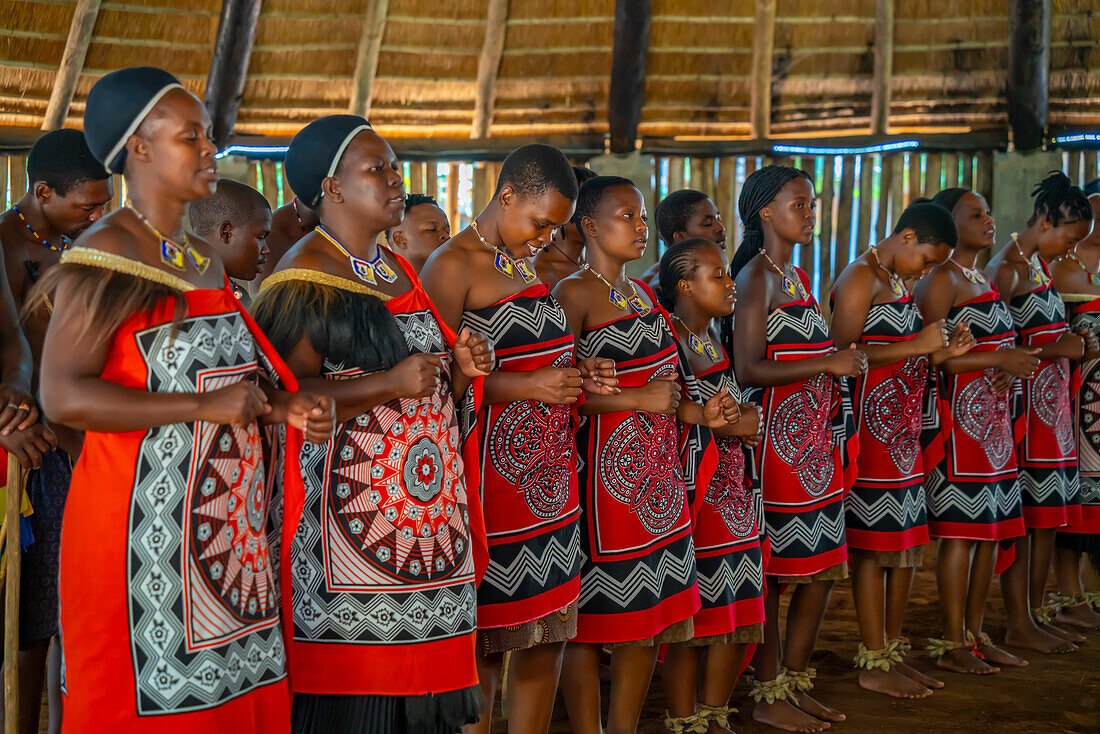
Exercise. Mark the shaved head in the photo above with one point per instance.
(231, 202)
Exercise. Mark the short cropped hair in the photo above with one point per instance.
(534, 169)
(232, 201)
(62, 160)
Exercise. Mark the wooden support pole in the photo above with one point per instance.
(626, 95)
(17, 176)
(431, 179)
(675, 174)
(825, 221)
(883, 66)
(366, 61)
(950, 170)
(844, 212)
(967, 180)
(416, 177)
(269, 178)
(1028, 67)
(866, 192)
(897, 196)
(983, 181)
(916, 178)
(763, 43)
(229, 65)
(725, 199)
(72, 63)
(12, 550)
(452, 196)
(1090, 165)
(488, 65)
(932, 171)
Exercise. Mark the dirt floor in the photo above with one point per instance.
(1053, 694)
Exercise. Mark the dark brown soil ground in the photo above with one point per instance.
(1053, 694)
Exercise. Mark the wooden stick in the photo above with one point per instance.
(866, 192)
(844, 213)
(825, 217)
(626, 90)
(229, 65)
(72, 63)
(1026, 88)
(488, 65)
(12, 560)
(452, 196)
(915, 179)
(270, 178)
(883, 66)
(932, 170)
(762, 45)
(897, 197)
(366, 63)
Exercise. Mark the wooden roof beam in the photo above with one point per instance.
(1028, 69)
(366, 64)
(883, 66)
(229, 65)
(629, 53)
(72, 63)
(763, 43)
(488, 65)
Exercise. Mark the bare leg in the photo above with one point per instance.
(488, 673)
(720, 676)
(680, 674)
(53, 685)
(1022, 630)
(580, 687)
(808, 603)
(1090, 575)
(869, 590)
(781, 714)
(1042, 550)
(1067, 572)
(899, 581)
(532, 685)
(981, 576)
(953, 581)
(631, 674)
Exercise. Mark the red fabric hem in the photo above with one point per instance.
(779, 566)
(1088, 523)
(384, 670)
(639, 625)
(492, 616)
(1004, 530)
(887, 541)
(730, 618)
(1040, 518)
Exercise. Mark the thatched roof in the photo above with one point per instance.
(950, 58)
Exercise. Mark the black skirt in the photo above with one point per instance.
(433, 713)
(1087, 543)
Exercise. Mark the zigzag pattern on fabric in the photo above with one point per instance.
(795, 530)
(808, 326)
(944, 496)
(891, 319)
(626, 341)
(1038, 308)
(983, 321)
(642, 578)
(749, 570)
(527, 314)
(537, 567)
(1059, 484)
(906, 511)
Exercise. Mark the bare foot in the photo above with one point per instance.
(892, 683)
(818, 710)
(782, 715)
(915, 675)
(997, 656)
(962, 660)
(1080, 616)
(1034, 638)
(1074, 637)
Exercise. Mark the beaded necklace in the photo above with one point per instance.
(1034, 267)
(975, 276)
(365, 270)
(171, 253)
(697, 345)
(1093, 277)
(897, 285)
(39, 238)
(504, 263)
(792, 287)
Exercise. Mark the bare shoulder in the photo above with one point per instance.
(856, 274)
(308, 253)
(119, 233)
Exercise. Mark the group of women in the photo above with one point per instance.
(383, 493)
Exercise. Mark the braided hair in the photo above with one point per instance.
(591, 194)
(1058, 200)
(678, 263)
(760, 189)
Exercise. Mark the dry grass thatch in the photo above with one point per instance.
(553, 78)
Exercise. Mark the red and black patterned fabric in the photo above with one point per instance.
(724, 506)
(380, 564)
(638, 576)
(973, 493)
(1048, 453)
(800, 460)
(526, 456)
(170, 613)
(1085, 312)
(885, 508)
